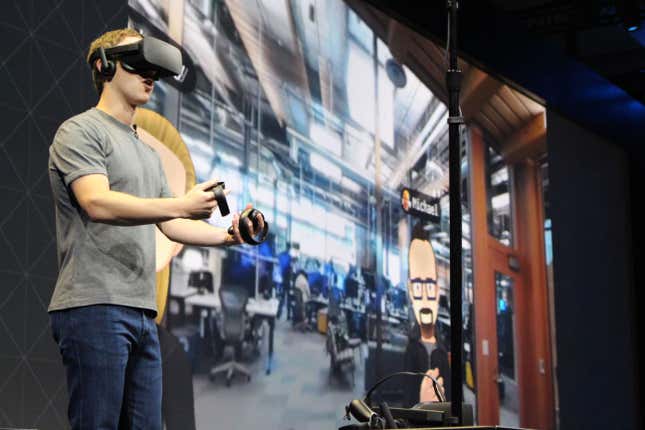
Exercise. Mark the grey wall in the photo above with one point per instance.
(43, 81)
(593, 277)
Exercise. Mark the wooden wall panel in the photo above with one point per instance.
(537, 405)
(484, 289)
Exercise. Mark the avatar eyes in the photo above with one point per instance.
(417, 287)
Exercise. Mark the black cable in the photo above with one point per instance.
(387, 414)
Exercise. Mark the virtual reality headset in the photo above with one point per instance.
(148, 57)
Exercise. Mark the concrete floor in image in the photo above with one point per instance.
(298, 394)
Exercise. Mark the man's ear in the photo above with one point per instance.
(97, 65)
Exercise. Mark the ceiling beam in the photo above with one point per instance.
(478, 88)
(528, 141)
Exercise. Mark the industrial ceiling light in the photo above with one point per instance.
(396, 73)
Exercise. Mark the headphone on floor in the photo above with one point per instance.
(422, 415)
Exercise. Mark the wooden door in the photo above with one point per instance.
(512, 349)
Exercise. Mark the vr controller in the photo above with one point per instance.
(251, 215)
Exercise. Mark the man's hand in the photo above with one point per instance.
(199, 202)
(236, 237)
(427, 392)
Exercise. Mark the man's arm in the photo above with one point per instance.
(199, 233)
(103, 205)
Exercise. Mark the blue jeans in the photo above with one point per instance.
(113, 364)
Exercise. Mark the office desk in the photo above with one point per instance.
(355, 313)
(353, 308)
(259, 308)
(266, 310)
(180, 296)
(316, 303)
(319, 301)
(400, 315)
(390, 319)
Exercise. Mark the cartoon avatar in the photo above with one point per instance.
(405, 200)
(424, 352)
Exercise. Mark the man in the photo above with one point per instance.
(110, 192)
(424, 353)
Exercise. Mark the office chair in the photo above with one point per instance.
(202, 280)
(334, 311)
(233, 302)
(299, 316)
(340, 349)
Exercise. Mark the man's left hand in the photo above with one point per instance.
(236, 238)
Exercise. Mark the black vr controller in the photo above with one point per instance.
(246, 227)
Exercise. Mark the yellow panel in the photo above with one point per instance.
(166, 133)
(163, 278)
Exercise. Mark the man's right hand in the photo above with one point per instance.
(427, 392)
(199, 202)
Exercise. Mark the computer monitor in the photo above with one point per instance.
(370, 280)
(202, 280)
(351, 287)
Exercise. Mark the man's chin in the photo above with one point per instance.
(427, 330)
(141, 100)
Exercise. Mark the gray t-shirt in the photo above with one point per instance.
(101, 263)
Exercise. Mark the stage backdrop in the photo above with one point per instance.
(304, 112)
(43, 81)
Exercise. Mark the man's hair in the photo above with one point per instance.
(105, 41)
(419, 231)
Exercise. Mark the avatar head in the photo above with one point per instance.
(423, 291)
(405, 200)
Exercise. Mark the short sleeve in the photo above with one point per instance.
(77, 151)
(165, 191)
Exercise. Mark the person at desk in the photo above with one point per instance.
(330, 276)
(265, 267)
(353, 283)
(287, 260)
(354, 291)
(424, 352)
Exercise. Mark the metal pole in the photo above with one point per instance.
(453, 83)
(258, 115)
(378, 206)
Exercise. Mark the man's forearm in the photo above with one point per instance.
(113, 207)
(197, 233)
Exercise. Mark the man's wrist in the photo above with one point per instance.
(177, 207)
(229, 240)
